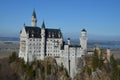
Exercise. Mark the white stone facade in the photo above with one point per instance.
(37, 43)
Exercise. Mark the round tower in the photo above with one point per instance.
(68, 41)
(83, 39)
(34, 19)
(43, 41)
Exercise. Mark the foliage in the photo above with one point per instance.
(61, 67)
(89, 71)
(13, 57)
(95, 60)
(18, 69)
(66, 72)
(48, 69)
(115, 75)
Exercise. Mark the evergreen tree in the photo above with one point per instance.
(95, 60)
(13, 57)
(115, 70)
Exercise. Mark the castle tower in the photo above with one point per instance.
(83, 39)
(43, 41)
(68, 41)
(34, 19)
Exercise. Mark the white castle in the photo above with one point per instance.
(37, 43)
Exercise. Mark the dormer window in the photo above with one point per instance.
(53, 35)
(32, 35)
(59, 35)
(49, 35)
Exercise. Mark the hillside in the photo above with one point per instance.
(13, 68)
(96, 68)
(99, 67)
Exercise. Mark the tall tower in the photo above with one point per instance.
(34, 19)
(43, 41)
(68, 41)
(83, 39)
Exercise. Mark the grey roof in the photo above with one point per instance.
(84, 30)
(53, 33)
(75, 46)
(35, 32)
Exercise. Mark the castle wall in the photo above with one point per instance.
(36, 46)
(53, 47)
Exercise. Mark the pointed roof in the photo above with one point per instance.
(34, 13)
(43, 25)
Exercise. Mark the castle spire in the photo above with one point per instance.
(34, 19)
(43, 41)
(34, 13)
(43, 25)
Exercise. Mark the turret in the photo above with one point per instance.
(83, 39)
(68, 41)
(43, 41)
(34, 19)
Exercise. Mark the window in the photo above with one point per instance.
(30, 44)
(33, 44)
(30, 39)
(30, 48)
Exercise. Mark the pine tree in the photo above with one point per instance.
(95, 60)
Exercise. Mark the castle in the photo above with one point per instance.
(37, 43)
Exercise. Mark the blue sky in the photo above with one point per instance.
(101, 18)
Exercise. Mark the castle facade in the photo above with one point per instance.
(36, 43)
